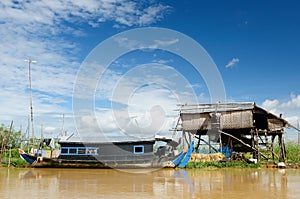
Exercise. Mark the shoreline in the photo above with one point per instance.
(237, 165)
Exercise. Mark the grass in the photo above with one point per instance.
(292, 152)
(237, 164)
(292, 158)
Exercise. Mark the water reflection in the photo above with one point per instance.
(164, 183)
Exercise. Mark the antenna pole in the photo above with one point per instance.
(30, 91)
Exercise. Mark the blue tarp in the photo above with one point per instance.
(187, 156)
(179, 159)
(226, 151)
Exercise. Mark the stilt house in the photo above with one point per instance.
(240, 127)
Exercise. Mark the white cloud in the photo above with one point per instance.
(47, 31)
(168, 42)
(150, 13)
(46, 12)
(294, 102)
(232, 62)
(135, 44)
(289, 109)
(271, 105)
(163, 61)
(143, 100)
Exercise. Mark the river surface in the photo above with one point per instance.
(162, 183)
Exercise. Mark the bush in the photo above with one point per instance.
(15, 159)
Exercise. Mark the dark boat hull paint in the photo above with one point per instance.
(95, 163)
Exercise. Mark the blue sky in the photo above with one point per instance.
(255, 46)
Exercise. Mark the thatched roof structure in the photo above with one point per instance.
(241, 127)
(229, 117)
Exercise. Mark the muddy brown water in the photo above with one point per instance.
(162, 183)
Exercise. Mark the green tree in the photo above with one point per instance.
(8, 139)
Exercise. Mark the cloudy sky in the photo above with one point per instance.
(96, 66)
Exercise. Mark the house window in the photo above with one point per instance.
(138, 149)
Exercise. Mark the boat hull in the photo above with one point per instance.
(130, 163)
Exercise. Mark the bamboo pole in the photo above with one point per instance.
(298, 137)
(42, 132)
(63, 126)
(10, 145)
(241, 141)
(28, 135)
(9, 157)
(21, 137)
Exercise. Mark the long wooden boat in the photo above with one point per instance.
(117, 154)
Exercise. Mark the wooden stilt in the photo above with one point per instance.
(272, 148)
(198, 143)
(282, 152)
(253, 143)
(267, 146)
(257, 145)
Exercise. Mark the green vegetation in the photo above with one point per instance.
(12, 158)
(292, 159)
(9, 138)
(9, 144)
(236, 164)
(292, 153)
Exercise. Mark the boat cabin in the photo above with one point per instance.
(116, 151)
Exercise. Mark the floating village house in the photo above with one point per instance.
(237, 127)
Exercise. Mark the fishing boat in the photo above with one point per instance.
(134, 153)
